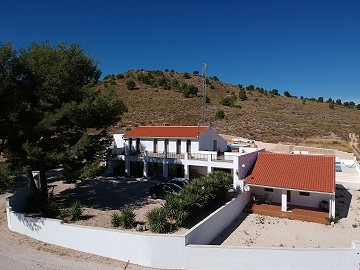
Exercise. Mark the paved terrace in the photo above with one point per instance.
(295, 212)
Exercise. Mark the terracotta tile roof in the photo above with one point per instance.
(166, 131)
(300, 172)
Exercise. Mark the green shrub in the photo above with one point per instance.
(43, 206)
(242, 94)
(157, 219)
(189, 91)
(5, 176)
(51, 209)
(115, 219)
(228, 101)
(130, 84)
(187, 75)
(127, 218)
(175, 210)
(120, 76)
(75, 211)
(220, 114)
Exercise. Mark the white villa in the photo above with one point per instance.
(178, 151)
(191, 151)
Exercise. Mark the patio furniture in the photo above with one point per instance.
(323, 205)
(268, 199)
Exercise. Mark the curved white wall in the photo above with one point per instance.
(171, 251)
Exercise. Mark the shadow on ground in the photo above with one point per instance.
(106, 193)
(230, 229)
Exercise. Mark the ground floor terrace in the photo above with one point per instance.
(264, 228)
(295, 212)
(291, 203)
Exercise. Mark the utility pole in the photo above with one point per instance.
(203, 107)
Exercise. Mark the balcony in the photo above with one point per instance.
(212, 156)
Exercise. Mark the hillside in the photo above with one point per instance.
(262, 116)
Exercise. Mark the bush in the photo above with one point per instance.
(51, 209)
(187, 75)
(130, 84)
(127, 218)
(120, 76)
(220, 114)
(5, 176)
(189, 91)
(175, 209)
(115, 219)
(75, 211)
(242, 94)
(228, 101)
(200, 194)
(157, 219)
(43, 206)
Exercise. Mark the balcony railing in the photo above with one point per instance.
(192, 156)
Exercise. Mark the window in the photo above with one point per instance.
(155, 145)
(269, 190)
(178, 146)
(215, 145)
(302, 193)
(137, 145)
(166, 146)
(188, 146)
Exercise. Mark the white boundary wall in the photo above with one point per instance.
(205, 231)
(177, 251)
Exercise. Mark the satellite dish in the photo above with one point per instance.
(246, 188)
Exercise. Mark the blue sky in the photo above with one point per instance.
(309, 48)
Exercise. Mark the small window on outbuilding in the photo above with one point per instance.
(303, 193)
(269, 189)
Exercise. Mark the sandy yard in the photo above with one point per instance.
(103, 196)
(264, 231)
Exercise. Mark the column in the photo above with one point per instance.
(238, 182)
(186, 166)
(284, 200)
(332, 206)
(165, 166)
(146, 166)
(127, 166)
(209, 168)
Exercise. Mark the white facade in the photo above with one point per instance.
(203, 154)
(297, 197)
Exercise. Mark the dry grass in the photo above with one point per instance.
(261, 117)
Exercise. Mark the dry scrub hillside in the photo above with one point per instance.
(157, 97)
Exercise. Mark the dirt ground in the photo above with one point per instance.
(102, 196)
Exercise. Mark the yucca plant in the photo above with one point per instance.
(157, 219)
(115, 219)
(127, 218)
(175, 209)
(75, 211)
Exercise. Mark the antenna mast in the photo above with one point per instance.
(203, 107)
